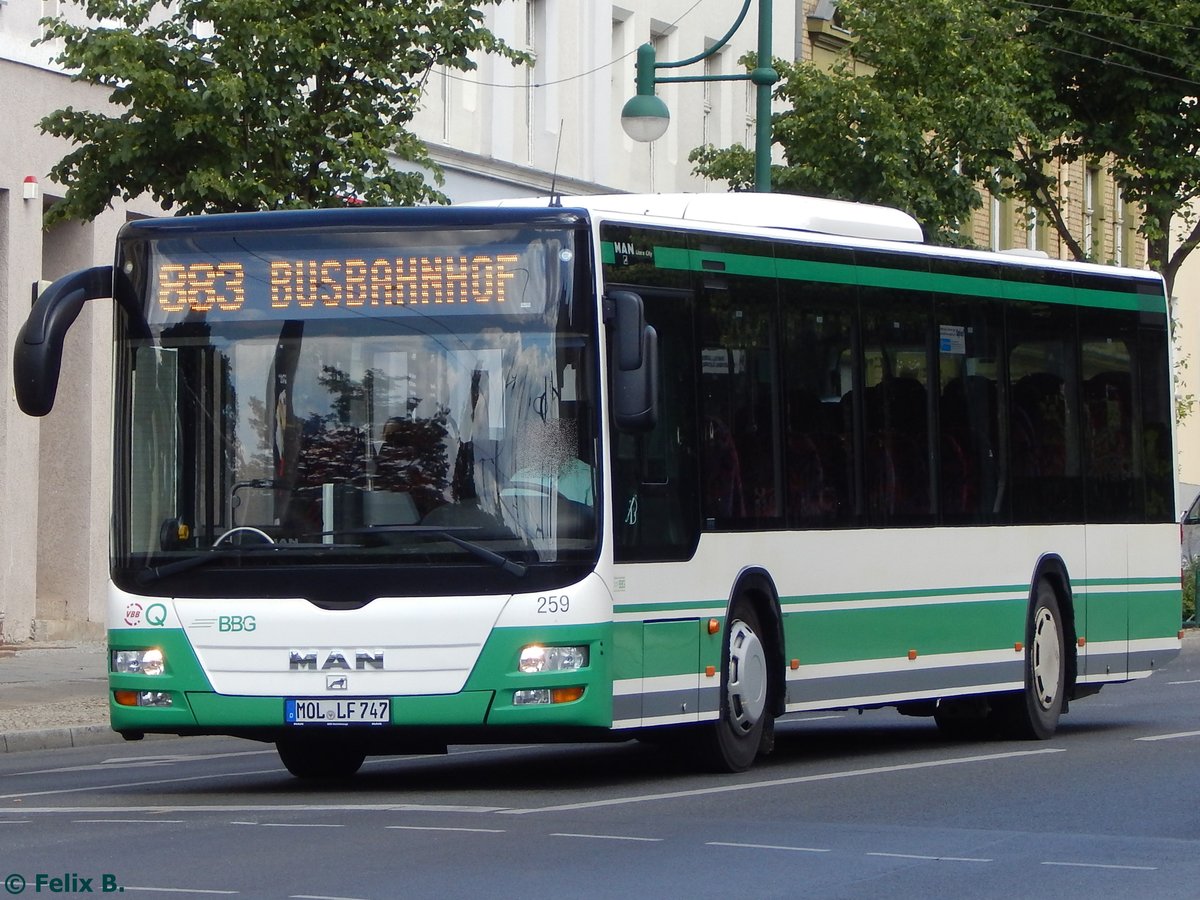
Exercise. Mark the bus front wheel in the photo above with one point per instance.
(313, 759)
(745, 723)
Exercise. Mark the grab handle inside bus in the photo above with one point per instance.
(37, 356)
(634, 362)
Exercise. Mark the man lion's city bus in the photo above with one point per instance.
(641, 466)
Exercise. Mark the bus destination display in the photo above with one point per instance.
(464, 282)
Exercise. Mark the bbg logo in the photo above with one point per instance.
(236, 623)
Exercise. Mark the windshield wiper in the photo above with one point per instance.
(448, 534)
(151, 574)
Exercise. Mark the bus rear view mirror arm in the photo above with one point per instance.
(37, 356)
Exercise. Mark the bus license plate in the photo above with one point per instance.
(338, 712)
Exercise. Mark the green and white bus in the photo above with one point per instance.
(638, 466)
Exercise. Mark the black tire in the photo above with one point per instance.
(1033, 714)
(320, 759)
(745, 726)
(962, 718)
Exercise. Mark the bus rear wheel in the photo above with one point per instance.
(320, 759)
(745, 725)
(1033, 714)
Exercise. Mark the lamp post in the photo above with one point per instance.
(645, 116)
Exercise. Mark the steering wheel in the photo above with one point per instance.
(240, 528)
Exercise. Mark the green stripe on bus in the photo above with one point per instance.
(684, 608)
(848, 635)
(681, 259)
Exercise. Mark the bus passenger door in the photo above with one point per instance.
(654, 503)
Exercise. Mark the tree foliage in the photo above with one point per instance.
(942, 94)
(1128, 76)
(224, 105)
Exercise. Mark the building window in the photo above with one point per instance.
(1121, 255)
(1035, 231)
(713, 66)
(534, 34)
(1093, 194)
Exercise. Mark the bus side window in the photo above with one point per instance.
(742, 469)
(896, 377)
(972, 475)
(1044, 416)
(818, 435)
(1113, 462)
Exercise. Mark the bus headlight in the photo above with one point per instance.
(537, 658)
(143, 698)
(544, 696)
(138, 662)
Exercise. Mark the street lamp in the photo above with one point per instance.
(645, 116)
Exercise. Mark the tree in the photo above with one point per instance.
(224, 105)
(900, 121)
(999, 94)
(1127, 76)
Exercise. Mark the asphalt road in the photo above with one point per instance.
(849, 806)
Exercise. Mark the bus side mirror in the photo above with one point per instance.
(634, 366)
(37, 356)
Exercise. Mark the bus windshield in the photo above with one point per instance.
(392, 398)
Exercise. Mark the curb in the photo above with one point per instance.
(63, 738)
(58, 738)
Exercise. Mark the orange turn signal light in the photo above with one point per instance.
(126, 698)
(566, 695)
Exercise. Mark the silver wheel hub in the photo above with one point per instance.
(1046, 658)
(747, 677)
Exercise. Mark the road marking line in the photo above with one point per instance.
(766, 847)
(1193, 681)
(1080, 865)
(139, 784)
(127, 821)
(167, 890)
(781, 782)
(1169, 737)
(607, 837)
(300, 825)
(319, 897)
(444, 828)
(933, 858)
(135, 762)
(266, 808)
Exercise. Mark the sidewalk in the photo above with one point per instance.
(54, 695)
